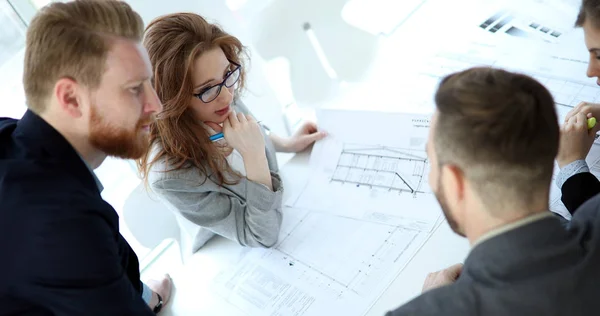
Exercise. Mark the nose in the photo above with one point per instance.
(226, 96)
(152, 103)
(593, 69)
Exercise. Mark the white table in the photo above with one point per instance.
(194, 296)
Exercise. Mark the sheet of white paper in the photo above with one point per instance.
(324, 264)
(365, 212)
(379, 173)
(367, 207)
(567, 92)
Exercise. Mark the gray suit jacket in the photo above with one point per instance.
(247, 212)
(537, 269)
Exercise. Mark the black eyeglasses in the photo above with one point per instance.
(209, 94)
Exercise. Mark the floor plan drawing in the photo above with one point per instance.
(317, 270)
(381, 167)
(382, 179)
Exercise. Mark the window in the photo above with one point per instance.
(12, 32)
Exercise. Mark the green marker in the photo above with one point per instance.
(591, 122)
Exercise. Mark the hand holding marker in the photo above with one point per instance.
(591, 122)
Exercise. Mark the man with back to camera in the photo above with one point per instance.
(492, 144)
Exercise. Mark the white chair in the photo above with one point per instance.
(148, 219)
(151, 221)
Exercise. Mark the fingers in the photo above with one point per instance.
(311, 138)
(577, 121)
(250, 118)
(309, 127)
(216, 127)
(242, 118)
(233, 119)
(169, 287)
(454, 271)
(580, 118)
(583, 107)
(457, 268)
(227, 123)
(582, 122)
(571, 113)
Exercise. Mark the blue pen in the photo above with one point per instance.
(216, 137)
(219, 136)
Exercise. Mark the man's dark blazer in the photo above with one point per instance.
(539, 268)
(60, 242)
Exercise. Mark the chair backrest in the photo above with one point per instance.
(148, 219)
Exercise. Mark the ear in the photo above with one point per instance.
(454, 185)
(68, 95)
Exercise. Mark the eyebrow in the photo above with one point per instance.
(137, 80)
(209, 80)
(594, 50)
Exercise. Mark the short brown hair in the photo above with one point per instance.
(174, 42)
(500, 128)
(589, 9)
(72, 40)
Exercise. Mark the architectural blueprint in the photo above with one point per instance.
(381, 167)
(324, 264)
(363, 215)
(568, 92)
(384, 171)
(563, 77)
(367, 207)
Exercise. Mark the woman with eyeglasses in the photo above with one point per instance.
(230, 186)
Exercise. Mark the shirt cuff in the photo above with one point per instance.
(577, 166)
(146, 293)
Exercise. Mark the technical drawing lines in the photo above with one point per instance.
(355, 256)
(381, 167)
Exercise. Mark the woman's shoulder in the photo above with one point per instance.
(163, 169)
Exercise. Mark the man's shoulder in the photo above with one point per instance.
(44, 188)
(448, 300)
(22, 170)
(7, 123)
(7, 128)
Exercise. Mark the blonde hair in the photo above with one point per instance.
(71, 40)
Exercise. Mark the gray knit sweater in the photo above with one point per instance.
(247, 212)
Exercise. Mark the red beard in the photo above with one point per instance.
(117, 141)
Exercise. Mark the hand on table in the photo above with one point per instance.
(163, 288)
(443, 277)
(304, 137)
(575, 137)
